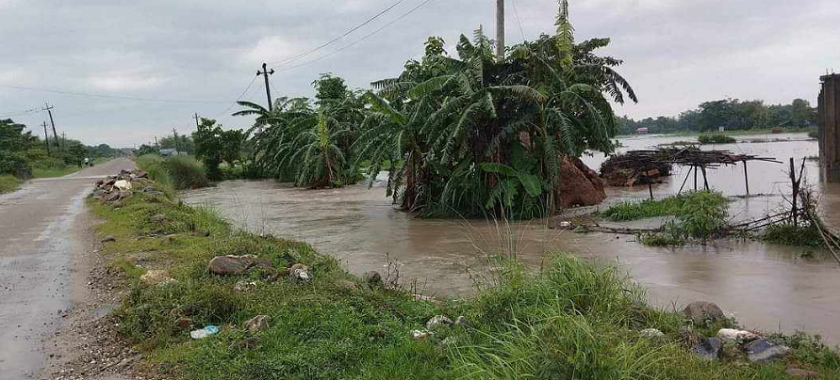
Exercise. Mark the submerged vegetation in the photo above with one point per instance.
(469, 135)
(715, 138)
(670, 206)
(572, 319)
(700, 215)
(787, 234)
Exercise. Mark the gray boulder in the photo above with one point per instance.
(709, 349)
(701, 311)
(373, 279)
(231, 265)
(764, 351)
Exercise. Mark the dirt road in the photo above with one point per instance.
(43, 231)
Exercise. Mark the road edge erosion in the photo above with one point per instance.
(204, 300)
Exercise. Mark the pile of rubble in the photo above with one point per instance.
(116, 188)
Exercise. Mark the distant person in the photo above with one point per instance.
(87, 161)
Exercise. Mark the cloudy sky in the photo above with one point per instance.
(153, 63)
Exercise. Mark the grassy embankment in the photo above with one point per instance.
(571, 320)
(9, 183)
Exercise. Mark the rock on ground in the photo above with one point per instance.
(231, 265)
(733, 335)
(154, 277)
(764, 351)
(702, 311)
(651, 333)
(709, 350)
(438, 321)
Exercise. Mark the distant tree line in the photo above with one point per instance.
(732, 114)
(21, 151)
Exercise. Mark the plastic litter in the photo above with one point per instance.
(205, 332)
(122, 185)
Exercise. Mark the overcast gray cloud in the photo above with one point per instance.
(678, 52)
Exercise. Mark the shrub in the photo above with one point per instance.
(177, 172)
(788, 234)
(715, 138)
(703, 214)
(9, 183)
(814, 134)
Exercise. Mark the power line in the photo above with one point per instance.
(18, 113)
(404, 15)
(516, 13)
(238, 98)
(368, 21)
(91, 95)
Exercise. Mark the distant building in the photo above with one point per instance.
(642, 131)
(168, 152)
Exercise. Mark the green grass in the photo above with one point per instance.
(174, 173)
(571, 320)
(54, 171)
(9, 183)
(715, 138)
(627, 211)
(788, 234)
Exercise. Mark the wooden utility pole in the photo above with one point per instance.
(265, 73)
(49, 108)
(196, 120)
(500, 30)
(46, 137)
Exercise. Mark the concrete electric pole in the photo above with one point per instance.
(500, 30)
(46, 138)
(265, 73)
(49, 108)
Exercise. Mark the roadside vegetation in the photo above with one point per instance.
(715, 138)
(572, 319)
(9, 183)
(24, 155)
(175, 172)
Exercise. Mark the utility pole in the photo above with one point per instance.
(63, 141)
(196, 120)
(265, 73)
(49, 108)
(500, 30)
(46, 137)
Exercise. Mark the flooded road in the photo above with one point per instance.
(765, 286)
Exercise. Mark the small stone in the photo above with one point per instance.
(462, 321)
(154, 277)
(764, 351)
(438, 321)
(244, 286)
(420, 334)
(739, 336)
(109, 239)
(802, 373)
(299, 274)
(651, 333)
(700, 312)
(709, 350)
(260, 322)
(374, 280)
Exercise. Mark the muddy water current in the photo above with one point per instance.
(764, 286)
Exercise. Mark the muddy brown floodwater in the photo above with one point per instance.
(768, 287)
